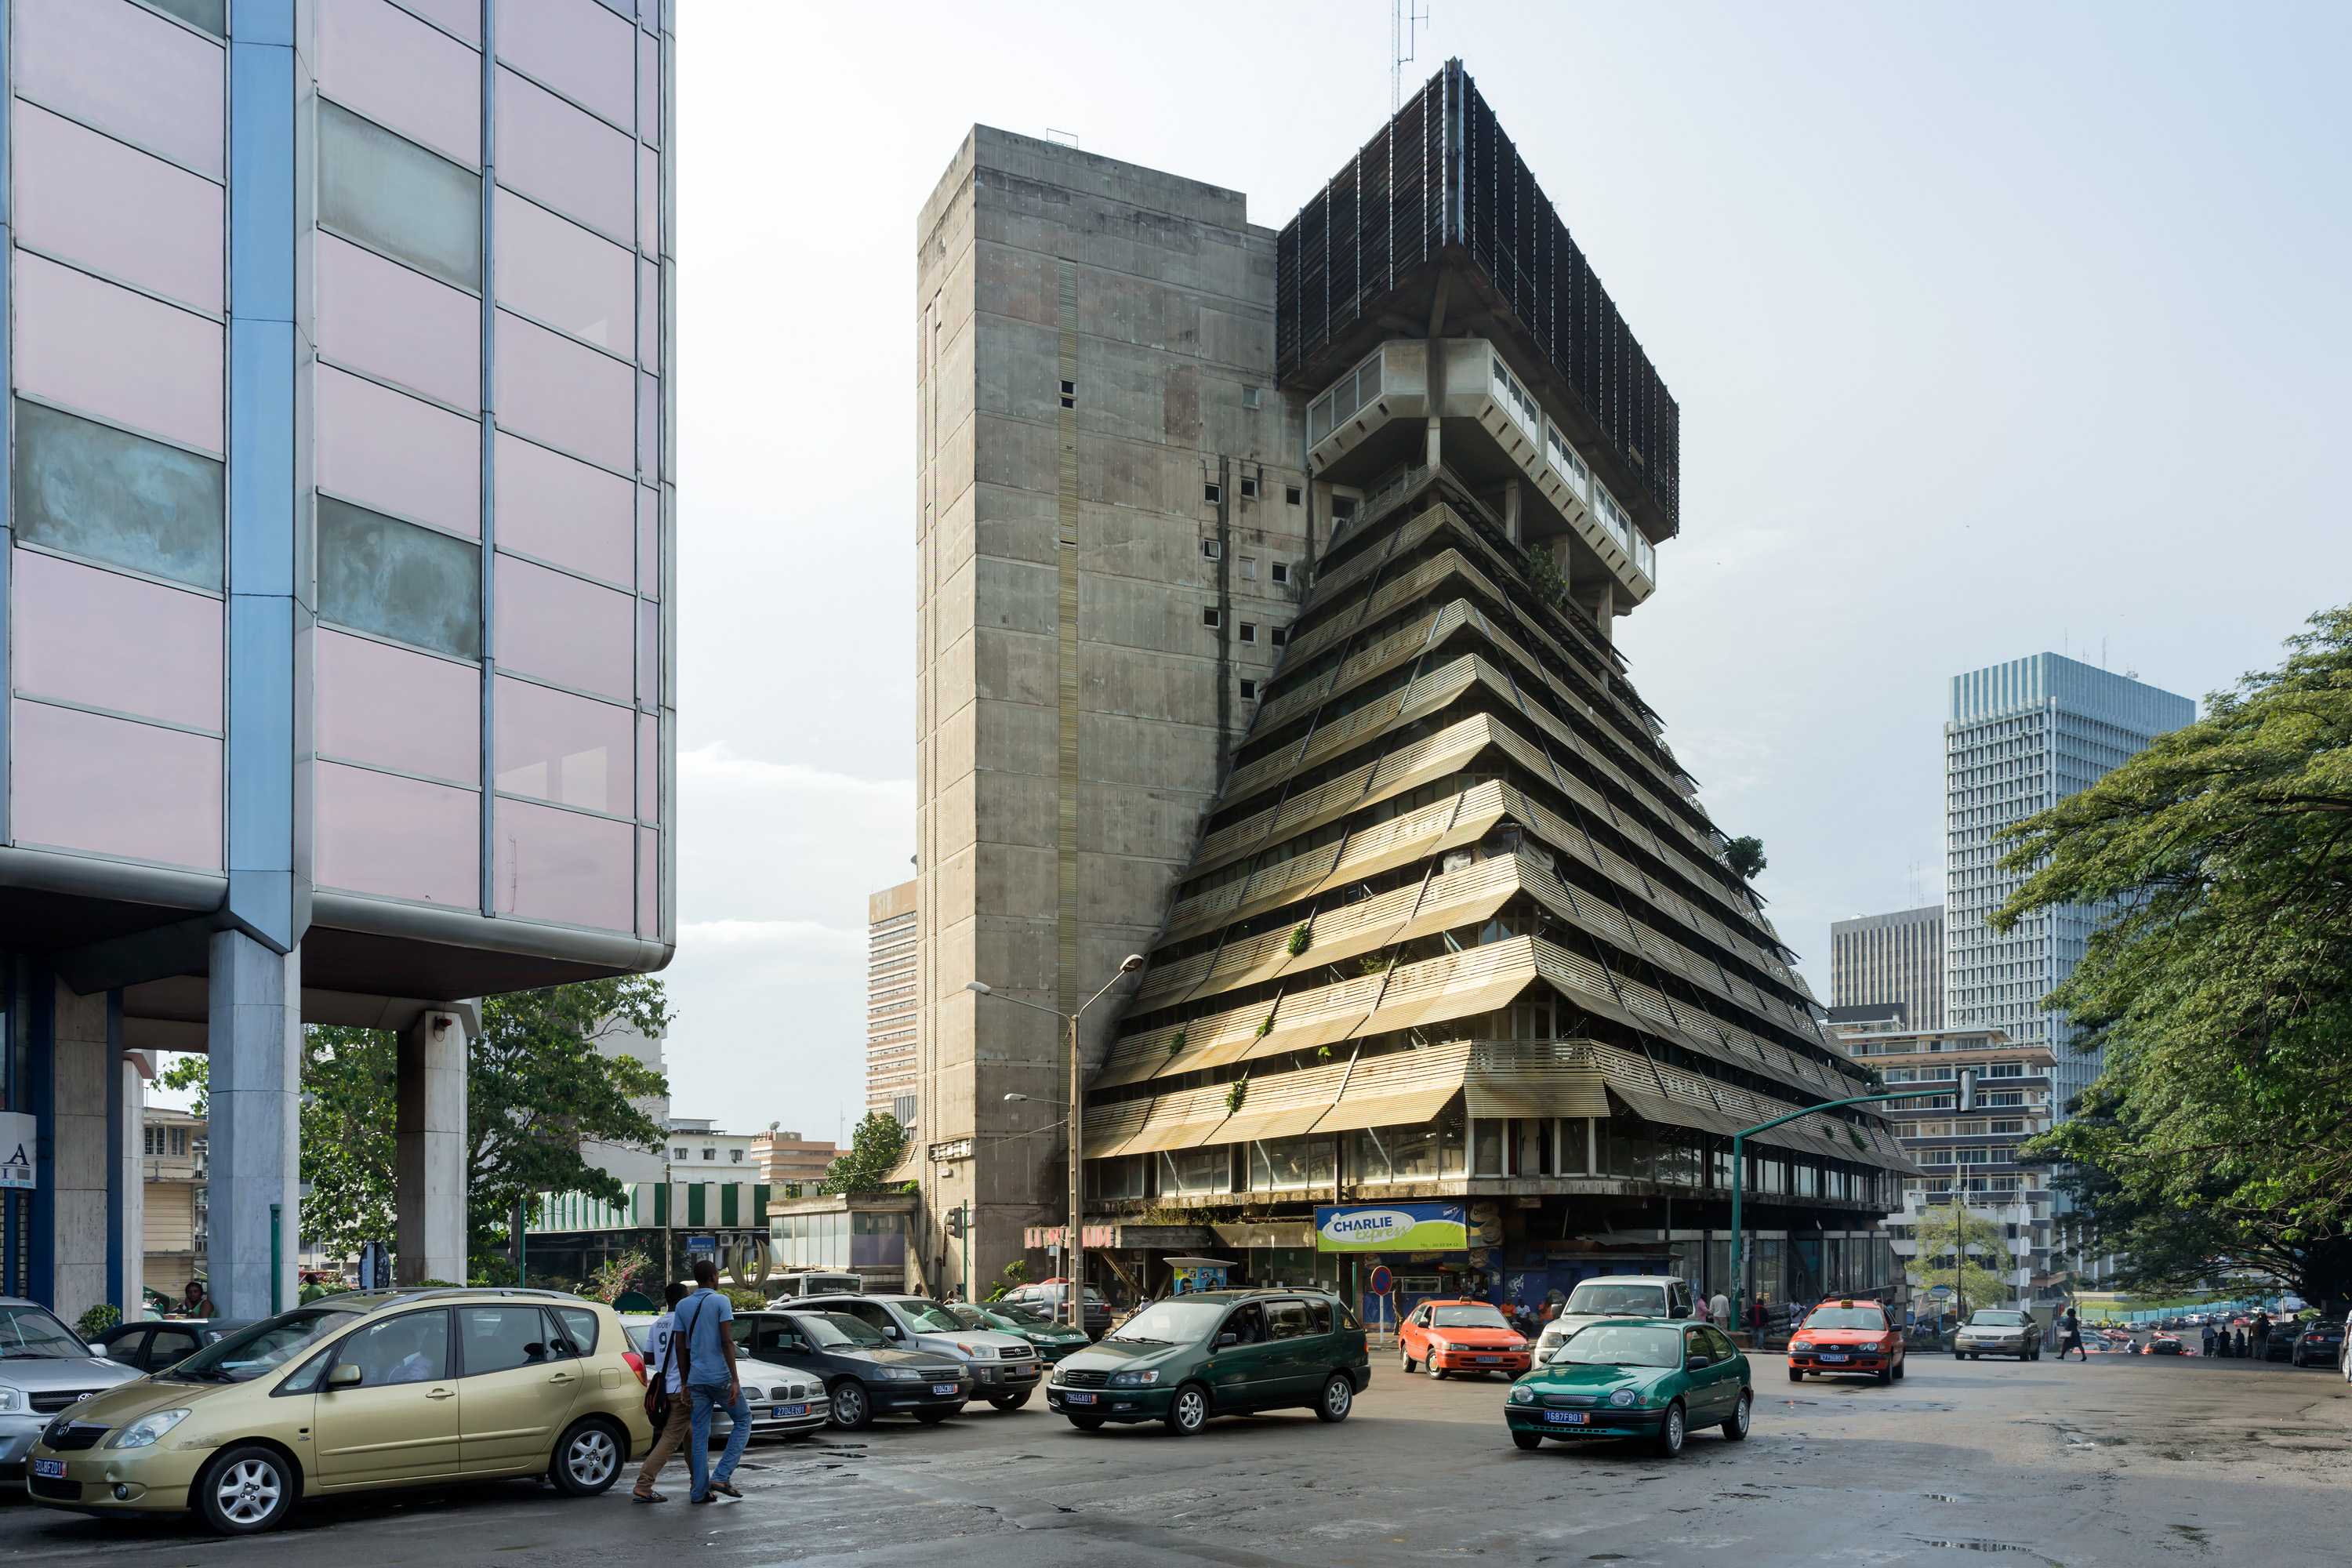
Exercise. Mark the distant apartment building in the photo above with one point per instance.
(1970, 1159)
(784, 1159)
(173, 1183)
(1891, 958)
(700, 1151)
(2019, 737)
(893, 1002)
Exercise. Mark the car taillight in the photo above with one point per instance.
(636, 1363)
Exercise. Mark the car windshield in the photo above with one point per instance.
(1606, 1345)
(1466, 1318)
(263, 1348)
(830, 1328)
(1988, 1318)
(28, 1333)
(928, 1315)
(969, 1316)
(1853, 1318)
(1013, 1312)
(1172, 1322)
(1600, 1299)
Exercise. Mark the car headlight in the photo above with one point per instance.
(1523, 1394)
(1135, 1379)
(1625, 1397)
(11, 1399)
(898, 1375)
(147, 1430)
(1800, 1344)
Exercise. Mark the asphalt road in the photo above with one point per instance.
(2125, 1459)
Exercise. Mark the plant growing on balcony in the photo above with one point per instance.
(1265, 1027)
(1300, 936)
(1176, 1040)
(1237, 1094)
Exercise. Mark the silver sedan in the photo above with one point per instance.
(1993, 1330)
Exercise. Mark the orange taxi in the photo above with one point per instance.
(1445, 1337)
(1848, 1336)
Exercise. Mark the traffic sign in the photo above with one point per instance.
(702, 1245)
(1382, 1281)
(1939, 1291)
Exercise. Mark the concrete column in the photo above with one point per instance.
(1511, 510)
(255, 1041)
(131, 1186)
(430, 1192)
(80, 1171)
(1432, 451)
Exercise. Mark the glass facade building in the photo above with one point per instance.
(338, 517)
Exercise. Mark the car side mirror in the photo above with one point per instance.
(1225, 1340)
(1698, 1361)
(890, 1330)
(347, 1374)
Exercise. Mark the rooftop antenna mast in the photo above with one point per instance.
(1404, 17)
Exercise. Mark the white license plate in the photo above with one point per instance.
(787, 1411)
(1569, 1418)
(943, 1389)
(1076, 1398)
(1830, 1355)
(49, 1469)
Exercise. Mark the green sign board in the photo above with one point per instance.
(1391, 1228)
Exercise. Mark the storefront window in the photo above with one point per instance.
(1280, 1163)
(1195, 1171)
(1575, 1135)
(1530, 1146)
(1126, 1177)
(1487, 1148)
(1423, 1153)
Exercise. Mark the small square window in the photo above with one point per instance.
(1249, 631)
(1211, 492)
(1281, 636)
(1210, 618)
(1249, 396)
(1291, 495)
(1249, 489)
(1249, 691)
(1212, 549)
(1282, 570)
(1249, 568)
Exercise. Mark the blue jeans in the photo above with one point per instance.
(708, 1397)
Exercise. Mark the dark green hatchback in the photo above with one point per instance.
(1651, 1379)
(1054, 1341)
(1219, 1352)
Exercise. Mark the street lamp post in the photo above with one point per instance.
(1074, 1252)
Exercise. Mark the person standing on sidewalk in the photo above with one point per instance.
(661, 1372)
(1718, 1310)
(711, 1383)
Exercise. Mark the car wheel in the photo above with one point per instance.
(1010, 1402)
(1405, 1360)
(1898, 1371)
(1086, 1423)
(1435, 1371)
(1885, 1375)
(1527, 1442)
(1796, 1374)
(588, 1461)
(1736, 1429)
(246, 1490)
(1189, 1410)
(1338, 1398)
(1671, 1432)
(852, 1410)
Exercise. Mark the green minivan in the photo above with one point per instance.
(1218, 1352)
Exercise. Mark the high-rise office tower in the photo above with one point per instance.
(339, 510)
(1894, 958)
(892, 1006)
(1268, 588)
(2019, 737)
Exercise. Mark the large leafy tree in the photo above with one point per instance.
(1954, 1246)
(878, 1143)
(2219, 1135)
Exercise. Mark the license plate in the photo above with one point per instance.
(49, 1469)
(1831, 1356)
(943, 1389)
(1569, 1418)
(787, 1411)
(1489, 1358)
(1078, 1398)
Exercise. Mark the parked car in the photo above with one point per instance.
(374, 1389)
(1005, 1368)
(149, 1346)
(1846, 1336)
(45, 1367)
(2321, 1343)
(1218, 1352)
(2165, 1344)
(1054, 1341)
(1051, 1299)
(783, 1403)
(1998, 1331)
(1653, 1380)
(1446, 1337)
(862, 1373)
(2286, 1334)
(799, 1287)
(1616, 1295)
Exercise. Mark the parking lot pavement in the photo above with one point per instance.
(2123, 1460)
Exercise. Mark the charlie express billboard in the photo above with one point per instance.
(1391, 1228)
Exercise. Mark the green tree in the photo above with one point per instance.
(2219, 1134)
(1945, 1232)
(877, 1145)
(1746, 856)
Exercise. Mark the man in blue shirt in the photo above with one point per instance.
(711, 1381)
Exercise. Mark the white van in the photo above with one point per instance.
(793, 1287)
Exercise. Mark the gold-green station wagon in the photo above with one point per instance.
(358, 1393)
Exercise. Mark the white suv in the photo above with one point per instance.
(1005, 1367)
(1615, 1295)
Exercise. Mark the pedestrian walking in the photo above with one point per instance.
(1718, 1310)
(2070, 1335)
(2238, 1343)
(707, 1367)
(2261, 1336)
(666, 1403)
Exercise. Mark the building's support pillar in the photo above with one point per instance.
(430, 1191)
(130, 1182)
(1511, 510)
(71, 1274)
(255, 1041)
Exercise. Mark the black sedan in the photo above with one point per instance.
(151, 1346)
(2321, 1343)
(865, 1376)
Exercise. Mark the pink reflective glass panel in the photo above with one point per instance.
(562, 510)
(649, 89)
(396, 454)
(110, 641)
(648, 315)
(462, 18)
(576, 47)
(650, 767)
(82, 781)
(398, 839)
(552, 745)
(562, 629)
(650, 542)
(566, 160)
(649, 200)
(648, 883)
(557, 273)
(127, 72)
(377, 316)
(378, 61)
(119, 355)
(554, 391)
(649, 653)
(558, 865)
(89, 199)
(390, 708)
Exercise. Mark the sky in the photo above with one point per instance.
(1996, 329)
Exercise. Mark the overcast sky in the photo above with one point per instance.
(1996, 329)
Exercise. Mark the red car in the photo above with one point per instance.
(1445, 1337)
(1847, 1338)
